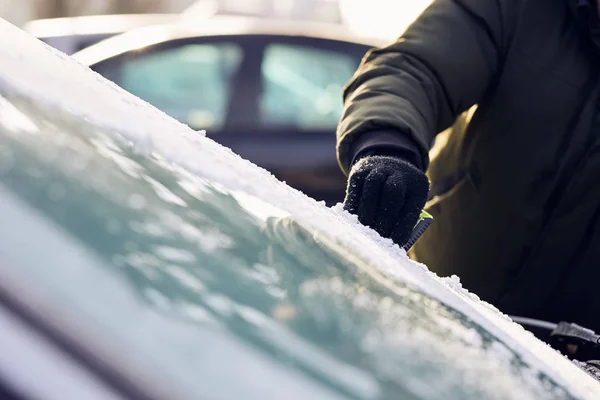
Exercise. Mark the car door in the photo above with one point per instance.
(273, 99)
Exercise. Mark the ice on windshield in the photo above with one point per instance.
(225, 262)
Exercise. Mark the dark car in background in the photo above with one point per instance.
(269, 89)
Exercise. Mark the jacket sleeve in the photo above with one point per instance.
(402, 95)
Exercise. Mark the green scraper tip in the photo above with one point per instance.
(425, 219)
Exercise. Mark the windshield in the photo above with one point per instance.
(217, 292)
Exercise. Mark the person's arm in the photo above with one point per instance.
(404, 94)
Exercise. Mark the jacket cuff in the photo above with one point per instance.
(389, 143)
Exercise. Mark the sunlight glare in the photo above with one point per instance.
(385, 19)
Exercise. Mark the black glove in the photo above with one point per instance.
(388, 194)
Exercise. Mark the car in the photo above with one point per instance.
(140, 259)
(71, 34)
(269, 89)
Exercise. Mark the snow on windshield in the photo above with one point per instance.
(49, 76)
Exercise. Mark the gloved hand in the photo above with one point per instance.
(388, 194)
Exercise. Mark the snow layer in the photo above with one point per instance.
(48, 76)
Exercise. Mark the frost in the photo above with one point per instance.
(208, 240)
(174, 254)
(164, 193)
(594, 372)
(454, 283)
(186, 278)
(15, 120)
(137, 201)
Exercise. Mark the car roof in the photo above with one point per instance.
(217, 26)
(93, 24)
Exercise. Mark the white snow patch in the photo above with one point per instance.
(454, 283)
(33, 68)
(585, 367)
(175, 255)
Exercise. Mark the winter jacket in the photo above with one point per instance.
(515, 192)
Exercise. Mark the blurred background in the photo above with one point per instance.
(262, 77)
(383, 18)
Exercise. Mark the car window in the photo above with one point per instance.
(303, 86)
(190, 83)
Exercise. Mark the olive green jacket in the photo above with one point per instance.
(515, 192)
